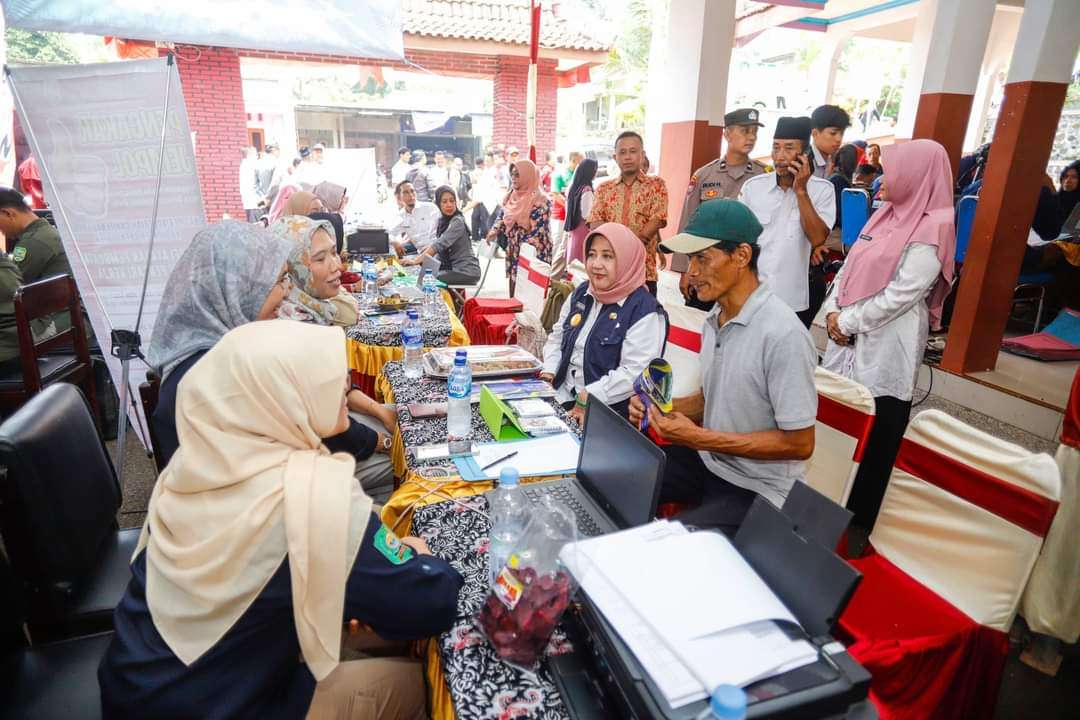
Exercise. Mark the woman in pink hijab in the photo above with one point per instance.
(885, 299)
(609, 329)
(526, 218)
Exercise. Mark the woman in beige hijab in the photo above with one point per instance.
(258, 546)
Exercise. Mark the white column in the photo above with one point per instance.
(946, 53)
(1046, 42)
(998, 50)
(823, 69)
(701, 34)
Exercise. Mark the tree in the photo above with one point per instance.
(38, 48)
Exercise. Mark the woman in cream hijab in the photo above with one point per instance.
(258, 546)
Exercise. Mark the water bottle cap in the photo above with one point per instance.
(412, 314)
(462, 353)
(428, 271)
(728, 703)
(460, 361)
(508, 477)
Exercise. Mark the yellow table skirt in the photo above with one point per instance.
(369, 359)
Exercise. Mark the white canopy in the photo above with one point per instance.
(371, 28)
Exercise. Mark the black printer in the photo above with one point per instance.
(789, 550)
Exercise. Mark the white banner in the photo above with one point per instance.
(369, 29)
(7, 113)
(96, 132)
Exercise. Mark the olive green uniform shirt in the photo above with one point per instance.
(39, 252)
(10, 281)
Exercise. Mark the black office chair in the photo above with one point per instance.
(54, 681)
(58, 501)
(807, 576)
(815, 516)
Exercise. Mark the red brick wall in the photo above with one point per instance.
(214, 95)
(213, 91)
(511, 84)
(455, 63)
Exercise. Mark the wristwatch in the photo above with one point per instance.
(386, 443)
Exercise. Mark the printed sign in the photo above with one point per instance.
(96, 132)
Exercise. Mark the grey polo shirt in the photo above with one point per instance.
(757, 373)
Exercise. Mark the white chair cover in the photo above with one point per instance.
(965, 515)
(1051, 602)
(684, 346)
(533, 278)
(845, 416)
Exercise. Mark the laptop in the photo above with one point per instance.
(618, 476)
(427, 262)
(368, 241)
(1071, 228)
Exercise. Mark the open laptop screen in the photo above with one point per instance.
(620, 468)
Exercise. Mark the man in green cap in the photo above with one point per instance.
(751, 426)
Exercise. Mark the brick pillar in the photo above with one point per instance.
(214, 94)
(509, 87)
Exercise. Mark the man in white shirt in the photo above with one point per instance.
(829, 123)
(440, 174)
(401, 168)
(417, 221)
(249, 184)
(796, 211)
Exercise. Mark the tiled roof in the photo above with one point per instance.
(504, 21)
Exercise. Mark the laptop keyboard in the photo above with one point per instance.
(562, 495)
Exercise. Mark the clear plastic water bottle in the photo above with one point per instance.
(371, 276)
(508, 511)
(412, 339)
(728, 702)
(459, 405)
(431, 292)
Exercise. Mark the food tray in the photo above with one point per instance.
(484, 360)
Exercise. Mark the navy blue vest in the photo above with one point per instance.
(603, 347)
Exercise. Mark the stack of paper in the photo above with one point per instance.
(688, 606)
(538, 457)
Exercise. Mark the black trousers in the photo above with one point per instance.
(453, 277)
(818, 291)
(720, 505)
(890, 422)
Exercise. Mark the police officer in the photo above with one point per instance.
(721, 178)
(724, 176)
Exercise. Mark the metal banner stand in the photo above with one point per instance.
(126, 344)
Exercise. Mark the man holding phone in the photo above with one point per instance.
(796, 211)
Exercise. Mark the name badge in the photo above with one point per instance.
(864, 236)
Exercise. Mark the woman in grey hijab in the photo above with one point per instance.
(232, 273)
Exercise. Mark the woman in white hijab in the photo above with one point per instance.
(258, 546)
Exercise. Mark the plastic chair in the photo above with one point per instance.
(1029, 287)
(854, 212)
(960, 526)
(965, 218)
(845, 417)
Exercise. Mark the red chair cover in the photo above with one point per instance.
(491, 329)
(476, 308)
(927, 659)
